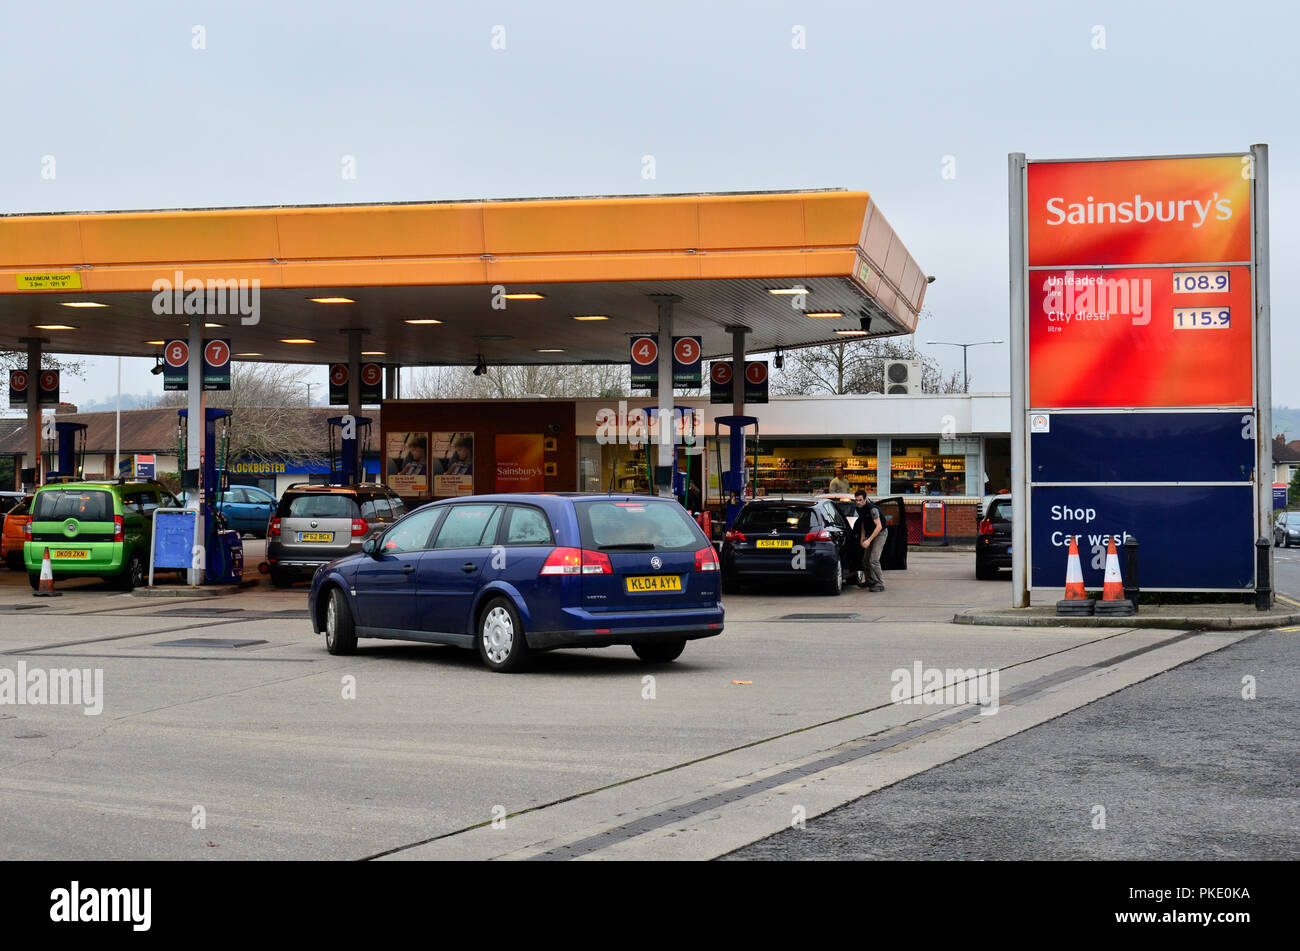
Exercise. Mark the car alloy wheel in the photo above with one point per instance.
(498, 635)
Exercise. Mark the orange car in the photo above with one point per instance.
(12, 536)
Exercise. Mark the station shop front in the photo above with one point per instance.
(918, 447)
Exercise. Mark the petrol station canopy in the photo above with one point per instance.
(723, 255)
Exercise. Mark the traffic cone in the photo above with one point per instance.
(46, 586)
(1113, 603)
(1076, 602)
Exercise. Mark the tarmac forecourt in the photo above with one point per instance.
(230, 709)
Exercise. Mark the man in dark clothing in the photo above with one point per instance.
(871, 536)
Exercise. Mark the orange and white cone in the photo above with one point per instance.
(46, 587)
(1113, 588)
(1074, 590)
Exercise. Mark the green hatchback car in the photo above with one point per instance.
(94, 530)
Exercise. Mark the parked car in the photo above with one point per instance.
(13, 535)
(94, 530)
(1286, 530)
(993, 543)
(247, 509)
(316, 524)
(792, 538)
(8, 500)
(509, 575)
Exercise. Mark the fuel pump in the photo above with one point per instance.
(223, 549)
(71, 442)
(736, 479)
(684, 421)
(343, 463)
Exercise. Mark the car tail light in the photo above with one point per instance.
(576, 561)
(706, 559)
(117, 528)
(562, 561)
(27, 529)
(734, 536)
(359, 527)
(820, 536)
(273, 528)
(986, 527)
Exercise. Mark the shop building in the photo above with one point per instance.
(918, 446)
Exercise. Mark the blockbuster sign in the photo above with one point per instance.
(1140, 368)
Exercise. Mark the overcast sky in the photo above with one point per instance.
(879, 98)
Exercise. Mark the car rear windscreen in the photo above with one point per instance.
(319, 506)
(767, 518)
(85, 505)
(613, 524)
(1000, 510)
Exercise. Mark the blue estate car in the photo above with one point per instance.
(513, 574)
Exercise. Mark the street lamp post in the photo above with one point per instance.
(309, 386)
(965, 385)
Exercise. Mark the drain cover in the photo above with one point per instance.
(817, 617)
(21, 607)
(208, 642)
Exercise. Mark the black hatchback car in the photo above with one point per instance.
(791, 538)
(993, 544)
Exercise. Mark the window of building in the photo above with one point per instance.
(917, 468)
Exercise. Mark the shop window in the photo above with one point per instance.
(808, 466)
(917, 468)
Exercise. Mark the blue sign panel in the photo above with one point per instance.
(173, 540)
(1279, 497)
(1144, 447)
(1189, 537)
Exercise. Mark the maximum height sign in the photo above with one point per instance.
(1140, 368)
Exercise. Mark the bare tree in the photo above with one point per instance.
(858, 366)
(514, 381)
(271, 419)
(17, 360)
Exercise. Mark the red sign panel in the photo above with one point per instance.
(1145, 337)
(1139, 211)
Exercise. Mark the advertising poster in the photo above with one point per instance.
(520, 462)
(451, 464)
(406, 458)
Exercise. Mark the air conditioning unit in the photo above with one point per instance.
(902, 377)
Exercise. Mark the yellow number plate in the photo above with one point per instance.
(640, 583)
(316, 537)
(775, 543)
(69, 553)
